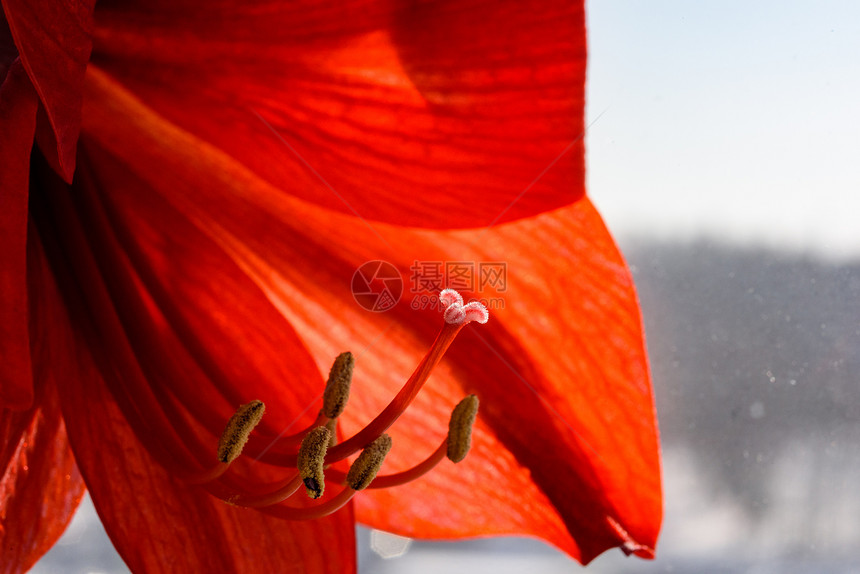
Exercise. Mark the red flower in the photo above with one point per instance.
(236, 162)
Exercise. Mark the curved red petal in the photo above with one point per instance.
(571, 330)
(395, 113)
(156, 522)
(18, 105)
(53, 39)
(562, 374)
(8, 50)
(40, 486)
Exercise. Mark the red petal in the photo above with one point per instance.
(8, 51)
(156, 522)
(54, 42)
(18, 104)
(571, 329)
(395, 113)
(40, 486)
(562, 375)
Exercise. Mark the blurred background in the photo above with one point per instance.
(724, 154)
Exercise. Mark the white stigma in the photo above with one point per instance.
(448, 297)
(458, 314)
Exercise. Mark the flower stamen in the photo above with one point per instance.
(367, 465)
(360, 475)
(312, 461)
(455, 446)
(471, 312)
(238, 429)
(336, 392)
(460, 428)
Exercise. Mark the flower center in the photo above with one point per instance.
(313, 451)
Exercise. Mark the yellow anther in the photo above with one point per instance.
(364, 469)
(460, 428)
(337, 388)
(311, 460)
(238, 429)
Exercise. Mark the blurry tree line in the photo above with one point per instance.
(755, 356)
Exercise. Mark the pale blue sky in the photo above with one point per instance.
(737, 120)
